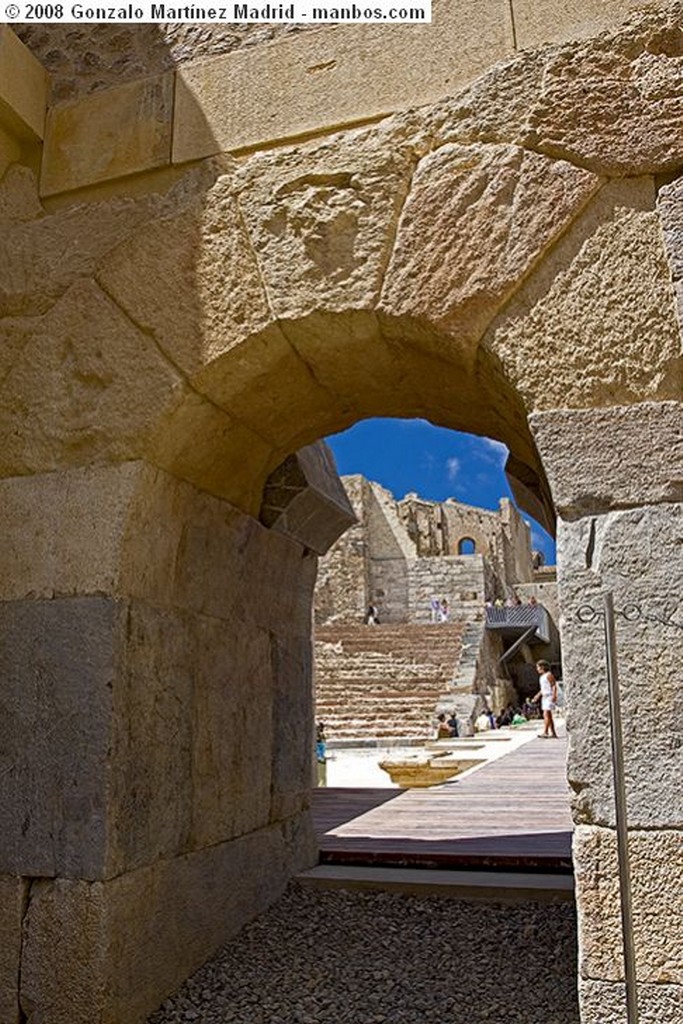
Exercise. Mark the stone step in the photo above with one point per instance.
(495, 886)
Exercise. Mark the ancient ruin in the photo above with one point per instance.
(435, 574)
(218, 247)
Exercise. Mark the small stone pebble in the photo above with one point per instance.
(384, 958)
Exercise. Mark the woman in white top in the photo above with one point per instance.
(548, 698)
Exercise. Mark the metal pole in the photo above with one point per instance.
(620, 812)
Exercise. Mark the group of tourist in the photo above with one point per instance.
(439, 610)
(447, 728)
(547, 697)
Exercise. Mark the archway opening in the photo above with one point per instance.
(401, 567)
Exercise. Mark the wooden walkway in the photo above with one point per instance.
(512, 814)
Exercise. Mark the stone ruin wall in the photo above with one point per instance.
(343, 587)
(401, 554)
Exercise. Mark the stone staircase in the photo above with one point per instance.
(383, 681)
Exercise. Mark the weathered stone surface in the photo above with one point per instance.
(322, 218)
(124, 130)
(23, 87)
(81, 557)
(309, 82)
(41, 259)
(200, 442)
(636, 554)
(614, 104)
(207, 293)
(81, 382)
(476, 221)
(649, 463)
(13, 900)
(177, 538)
(544, 21)
(113, 950)
(191, 734)
(604, 1002)
(88, 57)
(670, 209)
(10, 151)
(278, 577)
(656, 898)
(596, 323)
(305, 500)
(19, 200)
(292, 725)
(270, 387)
(58, 667)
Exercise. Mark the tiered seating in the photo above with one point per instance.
(383, 681)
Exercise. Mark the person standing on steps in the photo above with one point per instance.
(547, 695)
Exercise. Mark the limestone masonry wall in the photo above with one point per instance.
(403, 554)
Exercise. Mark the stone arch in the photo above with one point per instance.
(491, 262)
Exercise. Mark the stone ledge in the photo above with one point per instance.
(109, 134)
(23, 88)
(338, 76)
(621, 456)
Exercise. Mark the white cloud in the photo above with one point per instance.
(452, 468)
(493, 451)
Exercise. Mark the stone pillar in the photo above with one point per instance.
(616, 479)
(155, 735)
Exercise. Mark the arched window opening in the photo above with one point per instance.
(466, 546)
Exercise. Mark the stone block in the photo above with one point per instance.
(232, 731)
(13, 902)
(191, 739)
(657, 905)
(24, 87)
(476, 221)
(604, 1002)
(200, 442)
(305, 500)
(670, 209)
(19, 202)
(635, 554)
(600, 459)
(84, 555)
(272, 388)
(10, 151)
(58, 669)
(43, 255)
(545, 21)
(323, 217)
(292, 724)
(83, 383)
(277, 580)
(208, 293)
(150, 750)
(306, 83)
(112, 951)
(184, 548)
(612, 104)
(108, 134)
(597, 318)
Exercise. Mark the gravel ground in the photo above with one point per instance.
(333, 957)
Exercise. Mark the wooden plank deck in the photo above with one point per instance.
(512, 814)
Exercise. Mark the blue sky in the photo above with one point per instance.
(413, 455)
